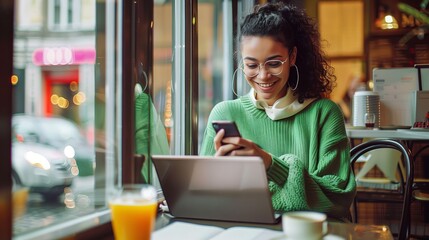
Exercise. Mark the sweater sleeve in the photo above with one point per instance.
(218, 112)
(148, 129)
(326, 183)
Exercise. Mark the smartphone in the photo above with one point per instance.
(230, 128)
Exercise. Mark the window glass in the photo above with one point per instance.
(70, 12)
(217, 54)
(65, 15)
(63, 113)
(56, 12)
(212, 73)
(162, 64)
(215, 64)
(66, 137)
(159, 103)
(87, 13)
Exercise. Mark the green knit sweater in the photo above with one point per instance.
(310, 152)
(150, 135)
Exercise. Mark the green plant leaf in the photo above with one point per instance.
(413, 12)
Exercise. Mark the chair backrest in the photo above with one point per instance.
(377, 158)
(365, 147)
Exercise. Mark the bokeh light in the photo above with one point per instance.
(14, 79)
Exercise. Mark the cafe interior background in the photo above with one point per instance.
(85, 62)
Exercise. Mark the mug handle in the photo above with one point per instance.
(325, 228)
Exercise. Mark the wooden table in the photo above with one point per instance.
(336, 230)
(400, 134)
(407, 136)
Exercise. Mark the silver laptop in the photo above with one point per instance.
(216, 188)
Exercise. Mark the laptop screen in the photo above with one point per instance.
(215, 188)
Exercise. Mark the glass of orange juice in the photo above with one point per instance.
(19, 200)
(133, 210)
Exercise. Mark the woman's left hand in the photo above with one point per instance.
(237, 146)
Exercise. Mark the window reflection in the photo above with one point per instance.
(155, 108)
(53, 126)
(162, 55)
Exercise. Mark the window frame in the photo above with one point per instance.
(185, 77)
(6, 41)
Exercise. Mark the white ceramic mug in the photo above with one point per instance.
(306, 225)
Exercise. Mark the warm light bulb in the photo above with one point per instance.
(389, 22)
(388, 19)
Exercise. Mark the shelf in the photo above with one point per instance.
(389, 32)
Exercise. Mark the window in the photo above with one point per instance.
(69, 15)
(209, 85)
(29, 14)
(73, 126)
(66, 113)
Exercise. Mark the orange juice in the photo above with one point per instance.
(133, 221)
(133, 208)
(19, 200)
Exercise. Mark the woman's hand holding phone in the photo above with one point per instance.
(225, 130)
(230, 128)
(228, 142)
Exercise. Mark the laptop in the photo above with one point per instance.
(216, 188)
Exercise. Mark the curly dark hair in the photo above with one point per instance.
(293, 28)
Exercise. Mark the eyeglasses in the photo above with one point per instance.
(273, 67)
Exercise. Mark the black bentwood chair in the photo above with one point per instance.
(401, 195)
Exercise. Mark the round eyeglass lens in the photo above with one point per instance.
(273, 67)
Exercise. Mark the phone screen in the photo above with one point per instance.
(230, 128)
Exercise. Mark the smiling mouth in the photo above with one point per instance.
(266, 85)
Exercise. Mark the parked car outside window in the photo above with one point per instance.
(59, 133)
(42, 169)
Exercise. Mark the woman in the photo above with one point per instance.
(286, 118)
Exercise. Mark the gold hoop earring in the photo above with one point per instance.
(141, 73)
(145, 80)
(297, 78)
